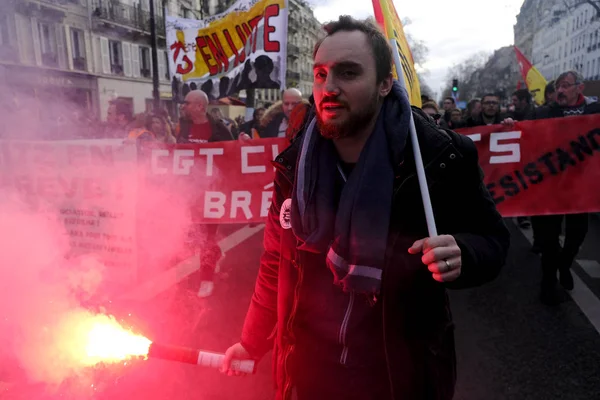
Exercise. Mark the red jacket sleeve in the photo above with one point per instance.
(261, 319)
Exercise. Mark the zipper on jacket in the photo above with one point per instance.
(287, 387)
(344, 330)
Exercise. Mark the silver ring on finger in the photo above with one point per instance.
(448, 265)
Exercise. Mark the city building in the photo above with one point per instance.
(566, 38)
(120, 35)
(46, 57)
(303, 33)
(528, 23)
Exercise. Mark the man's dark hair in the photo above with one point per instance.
(471, 104)
(379, 43)
(523, 94)
(489, 95)
(451, 99)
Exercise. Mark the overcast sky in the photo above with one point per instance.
(452, 30)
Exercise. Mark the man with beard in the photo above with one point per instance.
(490, 112)
(350, 292)
(570, 102)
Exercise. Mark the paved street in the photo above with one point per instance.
(509, 345)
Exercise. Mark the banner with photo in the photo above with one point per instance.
(244, 47)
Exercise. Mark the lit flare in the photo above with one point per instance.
(108, 341)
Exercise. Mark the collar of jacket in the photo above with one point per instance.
(437, 149)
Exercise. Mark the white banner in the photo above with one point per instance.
(244, 47)
(89, 187)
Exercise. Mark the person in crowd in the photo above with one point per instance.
(139, 130)
(431, 109)
(448, 105)
(198, 126)
(522, 102)
(228, 122)
(252, 128)
(275, 121)
(456, 119)
(490, 112)
(569, 102)
(118, 119)
(160, 127)
(550, 93)
(351, 294)
(473, 109)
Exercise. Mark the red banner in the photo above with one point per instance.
(542, 167)
(533, 168)
(225, 182)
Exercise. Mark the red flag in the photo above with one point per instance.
(536, 83)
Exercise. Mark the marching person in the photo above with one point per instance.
(569, 102)
(198, 126)
(351, 293)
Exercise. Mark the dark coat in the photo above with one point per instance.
(554, 110)
(418, 327)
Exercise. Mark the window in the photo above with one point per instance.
(593, 71)
(116, 57)
(4, 38)
(145, 63)
(78, 46)
(48, 44)
(587, 69)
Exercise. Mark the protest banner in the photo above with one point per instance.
(225, 182)
(541, 167)
(244, 47)
(89, 186)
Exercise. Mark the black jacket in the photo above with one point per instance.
(478, 121)
(220, 133)
(272, 128)
(418, 327)
(554, 110)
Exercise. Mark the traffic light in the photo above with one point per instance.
(454, 85)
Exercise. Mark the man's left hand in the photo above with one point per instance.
(442, 256)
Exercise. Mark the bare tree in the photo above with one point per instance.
(464, 72)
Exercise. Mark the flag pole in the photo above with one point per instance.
(429, 217)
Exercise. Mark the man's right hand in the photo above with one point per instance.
(235, 352)
(509, 122)
(244, 137)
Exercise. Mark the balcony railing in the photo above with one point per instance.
(125, 14)
(293, 49)
(79, 64)
(117, 69)
(50, 59)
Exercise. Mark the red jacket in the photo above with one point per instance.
(418, 328)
